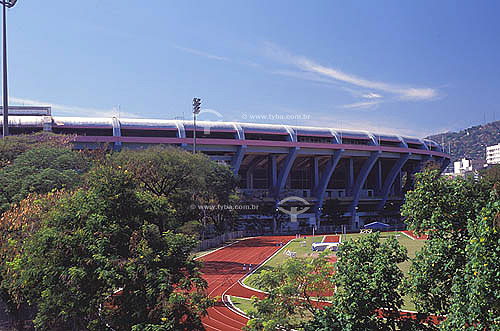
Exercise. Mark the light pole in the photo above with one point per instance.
(196, 111)
(6, 4)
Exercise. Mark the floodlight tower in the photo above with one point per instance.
(196, 111)
(6, 4)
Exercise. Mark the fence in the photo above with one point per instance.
(219, 240)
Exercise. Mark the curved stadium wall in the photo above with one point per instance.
(362, 176)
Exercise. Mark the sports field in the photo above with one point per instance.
(224, 269)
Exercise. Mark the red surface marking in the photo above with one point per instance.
(223, 268)
(239, 290)
(413, 235)
(331, 239)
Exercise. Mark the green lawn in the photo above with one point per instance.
(295, 246)
(200, 253)
(242, 303)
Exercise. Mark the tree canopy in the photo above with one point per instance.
(96, 260)
(182, 188)
(39, 169)
(89, 248)
(368, 279)
(293, 291)
(456, 273)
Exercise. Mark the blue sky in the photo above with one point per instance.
(410, 67)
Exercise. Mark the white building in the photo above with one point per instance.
(466, 166)
(493, 154)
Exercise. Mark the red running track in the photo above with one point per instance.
(224, 267)
(414, 236)
(331, 239)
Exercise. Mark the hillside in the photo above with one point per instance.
(470, 143)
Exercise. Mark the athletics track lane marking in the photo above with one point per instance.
(216, 309)
(406, 234)
(257, 255)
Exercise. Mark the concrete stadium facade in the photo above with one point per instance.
(365, 173)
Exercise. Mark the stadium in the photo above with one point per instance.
(296, 177)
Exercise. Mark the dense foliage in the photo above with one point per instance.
(441, 208)
(13, 146)
(95, 260)
(475, 304)
(181, 189)
(91, 239)
(368, 279)
(37, 164)
(365, 280)
(454, 277)
(456, 273)
(293, 289)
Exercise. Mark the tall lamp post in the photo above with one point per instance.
(6, 4)
(196, 111)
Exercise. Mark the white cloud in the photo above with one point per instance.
(371, 95)
(309, 66)
(304, 75)
(210, 56)
(201, 53)
(361, 105)
(73, 110)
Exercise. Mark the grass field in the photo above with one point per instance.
(242, 303)
(278, 259)
(295, 246)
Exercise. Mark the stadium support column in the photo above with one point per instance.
(241, 149)
(284, 171)
(410, 180)
(282, 177)
(444, 164)
(237, 158)
(272, 171)
(378, 177)
(117, 133)
(254, 161)
(47, 123)
(360, 181)
(181, 132)
(315, 170)
(393, 173)
(249, 178)
(349, 175)
(397, 185)
(320, 189)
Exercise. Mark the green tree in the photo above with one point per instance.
(368, 279)
(219, 192)
(440, 208)
(293, 291)
(40, 170)
(177, 185)
(456, 273)
(96, 260)
(17, 225)
(475, 304)
(13, 146)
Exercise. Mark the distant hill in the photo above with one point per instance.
(470, 143)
